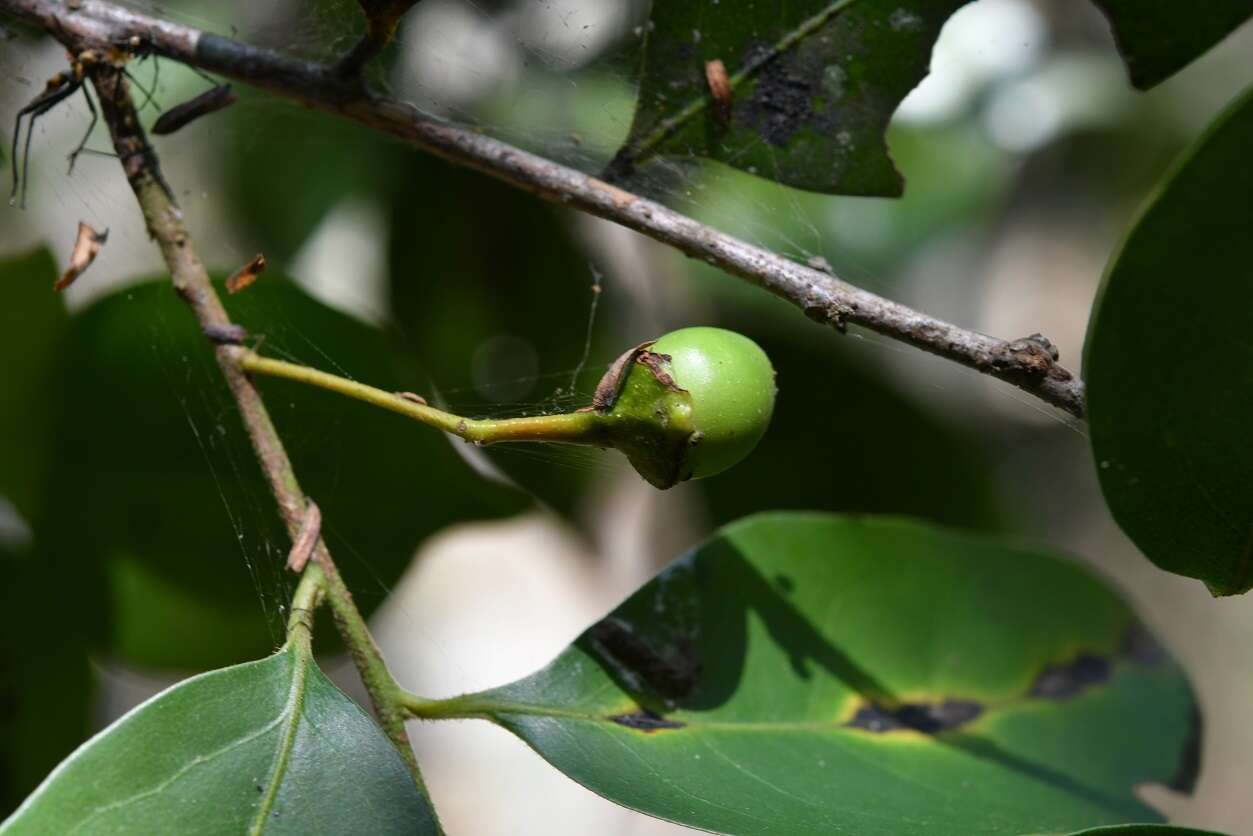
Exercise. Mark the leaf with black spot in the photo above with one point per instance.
(802, 92)
(807, 673)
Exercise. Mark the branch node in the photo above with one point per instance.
(230, 334)
(829, 314)
(1031, 358)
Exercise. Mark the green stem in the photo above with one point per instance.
(464, 707)
(304, 601)
(482, 707)
(321, 581)
(191, 281)
(586, 427)
(385, 693)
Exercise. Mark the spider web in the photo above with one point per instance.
(556, 77)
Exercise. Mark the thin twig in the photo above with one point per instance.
(165, 224)
(1030, 363)
(381, 18)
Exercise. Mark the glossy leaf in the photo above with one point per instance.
(46, 687)
(811, 673)
(1157, 38)
(32, 322)
(264, 747)
(157, 501)
(1144, 830)
(802, 93)
(1169, 367)
(812, 87)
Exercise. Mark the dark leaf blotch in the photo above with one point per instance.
(645, 721)
(928, 718)
(1064, 681)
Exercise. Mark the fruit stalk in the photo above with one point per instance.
(585, 427)
(685, 406)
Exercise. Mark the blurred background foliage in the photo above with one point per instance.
(125, 481)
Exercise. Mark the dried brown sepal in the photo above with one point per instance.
(306, 539)
(611, 383)
(246, 275)
(720, 89)
(650, 417)
(86, 247)
(657, 364)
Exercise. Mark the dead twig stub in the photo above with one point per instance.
(243, 278)
(86, 247)
(310, 531)
(179, 116)
(228, 334)
(720, 89)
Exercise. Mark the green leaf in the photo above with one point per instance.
(812, 673)
(32, 321)
(1169, 366)
(157, 500)
(264, 747)
(46, 688)
(1144, 830)
(1157, 38)
(813, 84)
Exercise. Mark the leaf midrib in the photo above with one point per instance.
(292, 712)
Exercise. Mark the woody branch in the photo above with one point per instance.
(1029, 363)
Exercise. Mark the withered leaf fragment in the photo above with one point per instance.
(86, 247)
(246, 275)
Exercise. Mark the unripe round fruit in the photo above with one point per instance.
(732, 387)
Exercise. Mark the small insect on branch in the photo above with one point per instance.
(59, 88)
(179, 116)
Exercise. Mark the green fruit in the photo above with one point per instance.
(688, 405)
(732, 386)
